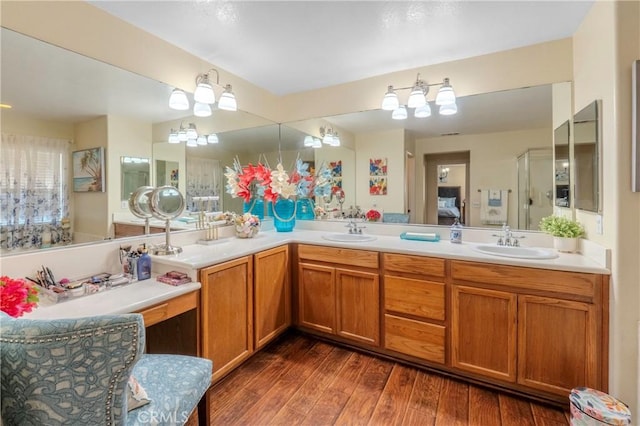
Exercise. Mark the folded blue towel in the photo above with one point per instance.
(420, 236)
(495, 198)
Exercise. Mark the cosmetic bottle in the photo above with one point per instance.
(144, 266)
(456, 232)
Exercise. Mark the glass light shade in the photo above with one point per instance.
(422, 111)
(192, 133)
(192, 142)
(202, 140)
(227, 100)
(201, 110)
(178, 100)
(308, 141)
(327, 138)
(416, 98)
(390, 100)
(399, 113)
(448, 109)
(182, 135)
(173, 137)
(212, 138)
(446, 95)
(317, 143)
(335, 141)
(204, 92)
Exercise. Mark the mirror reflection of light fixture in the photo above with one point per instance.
(443, 173)
(329, 137)
(446, 99)
(204, 96)
(190, 135)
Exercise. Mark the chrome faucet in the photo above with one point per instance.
(353, 227)
(507, 238)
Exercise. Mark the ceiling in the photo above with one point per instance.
(293, 46)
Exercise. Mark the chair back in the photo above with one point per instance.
(71, 371)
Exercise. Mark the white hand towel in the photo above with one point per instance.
(493, 206)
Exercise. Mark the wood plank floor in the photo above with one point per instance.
(300, 380)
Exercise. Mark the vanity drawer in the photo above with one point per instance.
(170, 308)
(362, 258)
(418, 298)
(542, 280)
(413, 264)
(415, 338)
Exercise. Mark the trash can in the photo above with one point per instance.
(590, 407)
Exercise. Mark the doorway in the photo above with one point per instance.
(446, 177)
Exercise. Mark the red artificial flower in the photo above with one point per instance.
(17, 296)
(373, 215)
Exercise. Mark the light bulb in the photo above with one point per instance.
(390, 100)
(173, 137)
(448, 109)
(178, 100)
(399, 113)
(327, 138)
(212, 138)
(201, 110)
(422, 111)
(416, 98)
(446, 95)
(192, 133)
(204, 91)
(182, 135)
(227, 100)
(192, 143)
(317, 143)
(308, 141)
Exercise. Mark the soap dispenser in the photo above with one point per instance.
(456, 232)
(144, 265)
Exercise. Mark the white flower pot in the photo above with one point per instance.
(566, 245)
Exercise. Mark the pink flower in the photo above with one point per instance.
(17, 296)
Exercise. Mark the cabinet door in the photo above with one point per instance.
(358, 299)
(317, 297)
(483, 332)
(227, 314)
(557, 343)
(272, 307)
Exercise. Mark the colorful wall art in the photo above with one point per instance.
(377, 176)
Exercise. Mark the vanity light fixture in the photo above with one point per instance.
(311, 142)
(444, 172)
(204, 96)
(190, 135)
(446, 98)
(329, 137)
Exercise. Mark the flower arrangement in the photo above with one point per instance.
(373, 215)
(247, 225)
(270, 184)
(560, 226)
(17, 296)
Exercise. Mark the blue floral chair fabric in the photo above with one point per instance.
(75, 371)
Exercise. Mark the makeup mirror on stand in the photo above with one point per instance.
(167, 203)
(140, 205)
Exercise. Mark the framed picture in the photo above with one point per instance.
(88, 170)
(377, 185)
(377, 166)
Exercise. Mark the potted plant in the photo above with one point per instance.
(565, 232)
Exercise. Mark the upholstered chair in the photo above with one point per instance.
(76, 372)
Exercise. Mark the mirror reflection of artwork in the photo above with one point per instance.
(88, 170)
(174, 178)
(378, 166)
(336, 168)
(377, 185)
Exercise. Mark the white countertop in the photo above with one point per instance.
(196, 256)
(119, 300)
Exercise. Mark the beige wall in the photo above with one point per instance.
(91, 209)
(493, 164)
(19, 124)
(604, 47)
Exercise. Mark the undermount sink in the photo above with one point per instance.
(349, 238)
(519, 252)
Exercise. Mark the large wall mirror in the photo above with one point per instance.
(586, 155)
(562, 165)
(95, 104)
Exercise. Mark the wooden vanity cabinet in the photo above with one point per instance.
(542, 330)
(227, 314)
(272, 294)
(339, 292)
(414, 306)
